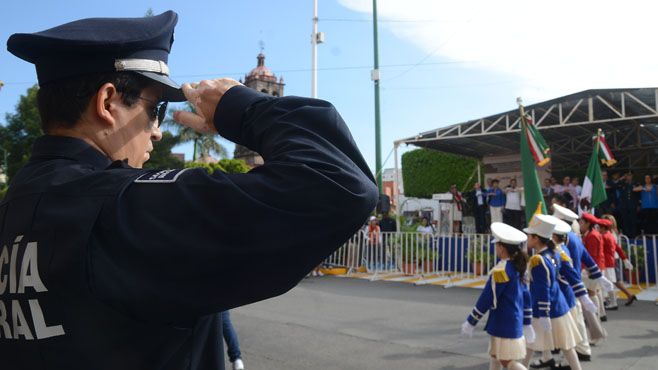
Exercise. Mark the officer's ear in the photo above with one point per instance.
(107, 100)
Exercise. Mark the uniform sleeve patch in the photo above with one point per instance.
(535, 260)
(160, 177)
(564, 257)
(500, 276)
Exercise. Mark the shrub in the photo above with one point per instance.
(426, 172)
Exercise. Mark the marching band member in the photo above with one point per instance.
(506, 298)
(571, 284)
(591, 277)
(612, 249)
(554, 326)
(594, 243)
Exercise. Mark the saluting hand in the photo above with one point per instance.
(204, 97)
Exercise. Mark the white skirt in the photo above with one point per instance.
(589, 283)
(610, 274)
(507, 349)
(456, 213)
(564, 334)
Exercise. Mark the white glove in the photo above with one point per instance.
(588, 305)
(467, 329)
(529, 334)
(545, 323)
(606, 285)
(628, 265)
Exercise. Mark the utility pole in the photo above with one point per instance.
(316, 38)
(375, 78)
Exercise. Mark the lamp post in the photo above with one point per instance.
(375, 79)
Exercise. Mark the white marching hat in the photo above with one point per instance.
(541, 225)
(564, 213)
(507, 234)
(561, 227)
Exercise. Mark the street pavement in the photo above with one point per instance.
(342, 323)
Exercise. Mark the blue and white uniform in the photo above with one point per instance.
(548, 301)
(507, 299)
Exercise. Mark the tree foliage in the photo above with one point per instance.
(161, 155)
(203, 144)
(22, 128)
(224, 165)
(426, 172)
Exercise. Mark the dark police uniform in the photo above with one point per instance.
(104, 266)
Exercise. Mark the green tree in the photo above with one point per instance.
(22, 128)
(203, 144)
(161, 156)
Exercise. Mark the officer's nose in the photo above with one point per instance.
(156, 134)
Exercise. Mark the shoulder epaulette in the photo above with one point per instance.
(535, 260)
(499, 276)
(564, 257)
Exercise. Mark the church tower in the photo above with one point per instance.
(262, 79)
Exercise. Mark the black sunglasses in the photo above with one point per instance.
(158, 111)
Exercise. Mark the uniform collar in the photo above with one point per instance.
(49, 147)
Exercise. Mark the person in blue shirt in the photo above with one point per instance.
(648, 205)
(506, 298)
(496, 198)
(554, 327)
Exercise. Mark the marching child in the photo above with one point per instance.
(506, 298)
(571, 284)
(554, 326)
(613, 252)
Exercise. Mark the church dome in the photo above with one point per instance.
(261, 72)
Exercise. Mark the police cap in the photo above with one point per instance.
(102, 45)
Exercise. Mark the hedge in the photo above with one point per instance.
(225, 165)
(426, 172)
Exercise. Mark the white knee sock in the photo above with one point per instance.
(612, 298)
(546, 356)
(572, 359)
(494, 364)
(528, 357)
(513, 365)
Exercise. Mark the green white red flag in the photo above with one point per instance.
(593, 192)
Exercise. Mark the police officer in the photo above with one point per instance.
(104, 265)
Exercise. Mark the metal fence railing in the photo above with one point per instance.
(466, 256)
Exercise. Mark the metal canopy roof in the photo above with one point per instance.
(629, 118)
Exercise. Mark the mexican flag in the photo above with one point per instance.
(593, 192)
(533, 151)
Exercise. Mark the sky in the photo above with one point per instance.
(441, 62)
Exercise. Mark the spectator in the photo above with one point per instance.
(425, 227)
(496, 202)
(232, 343)
(609, 204)
(487, 214)
(457, 207)
(478, 198)
(387, 225)
(374, 239)
(648, 205)
(568, 188)
(513, 212)
(627, 206)
(575, 183)
(557, 188)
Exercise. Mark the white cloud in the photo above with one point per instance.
(554, 47)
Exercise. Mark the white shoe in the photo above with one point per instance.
(238, 365)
